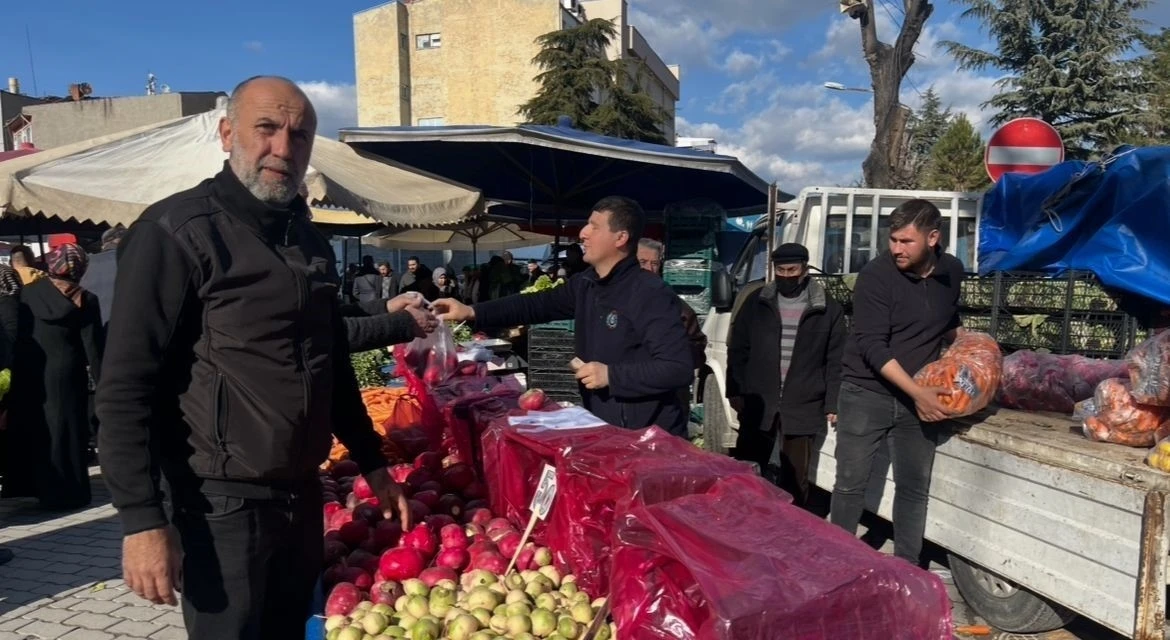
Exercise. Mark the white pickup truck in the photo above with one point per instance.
(1040, 524)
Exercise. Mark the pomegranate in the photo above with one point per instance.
(481, 547)
(509, 543)
(359, 578)
(432, 376)
(490, 561)
(428, 498)
(367, 512)
(418, 478)
(354, 532)
(532, 400)
(418, 510)
(400, 472)
(436, 522)
(481, 517)
(342, 599)
(401, 563)
(455, 559)
(363, 560)
(421, 539)
(524, 560)
(432, 576)
(361, 488)
(453, 537)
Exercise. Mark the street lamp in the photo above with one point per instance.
(837, 86)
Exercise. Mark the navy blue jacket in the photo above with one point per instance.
(629, 320)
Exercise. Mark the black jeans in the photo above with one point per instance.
(864, 419)
(249, 565)
(794, 455)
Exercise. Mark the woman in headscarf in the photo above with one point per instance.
(60, 335)
(443, 284)
(9, 314)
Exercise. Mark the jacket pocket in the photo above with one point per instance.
(219, 404)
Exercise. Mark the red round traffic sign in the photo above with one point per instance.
(1024, 145)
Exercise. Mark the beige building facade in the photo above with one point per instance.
(466, 62)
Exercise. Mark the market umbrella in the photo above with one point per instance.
(490, 235)
(111, 179)
(558, 172)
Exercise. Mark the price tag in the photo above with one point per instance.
(545, 492)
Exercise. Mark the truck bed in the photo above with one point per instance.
(1028, 497)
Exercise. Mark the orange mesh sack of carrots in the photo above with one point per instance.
(970, 370)
(1114, 415)
(391, 408)
(1149, 370)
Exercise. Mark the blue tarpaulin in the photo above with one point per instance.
(1110, 217)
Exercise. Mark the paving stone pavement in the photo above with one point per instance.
(65, 581)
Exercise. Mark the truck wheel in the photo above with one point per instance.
(1003, 604)
(715, 425)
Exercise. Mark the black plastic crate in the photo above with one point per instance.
(1103, 335)
(557, 384)
(976, 321)
(977, 293)
(839, 287)
(1077, 291)
(551, 349)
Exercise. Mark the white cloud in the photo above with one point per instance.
(336, 105)
(738, 62)
(255, 46)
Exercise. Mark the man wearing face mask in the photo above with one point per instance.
(784, 369)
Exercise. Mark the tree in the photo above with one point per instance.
(1067, 62)
(956, 160)
(578, 80)
(888, 66)
(927, 125)
(1155, 69)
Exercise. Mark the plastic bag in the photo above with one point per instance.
(1044, 382)
(1149, 370)
(1113, 415)
(431, 359)
(970, 369)
(734, 560)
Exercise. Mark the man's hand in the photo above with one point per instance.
(832, 418)
(424, 321)
(594, 375)
(152, 565)
(452, 309)
(928, 405)
(736, 403)
(390, 496)
(403, 301)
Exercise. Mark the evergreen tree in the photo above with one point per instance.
(577, 79)
(926, 126)
(1155, 70)
(1067, 62)
(956, 160)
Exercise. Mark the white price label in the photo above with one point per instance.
(545, 492)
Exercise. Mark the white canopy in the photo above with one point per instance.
(113, 178)
(469, 236)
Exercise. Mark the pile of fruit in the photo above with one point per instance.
(445, 577)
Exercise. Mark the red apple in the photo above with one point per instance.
(532, 400)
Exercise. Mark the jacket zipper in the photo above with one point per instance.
(219, 407)
(299, 342)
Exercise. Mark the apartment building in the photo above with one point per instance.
(449, 62)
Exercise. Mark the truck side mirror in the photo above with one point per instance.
(722, 288)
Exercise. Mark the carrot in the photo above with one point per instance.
(970, 371)
(1116, 416)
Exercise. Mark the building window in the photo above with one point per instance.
(404, 93)
(403, 41)
(430, 122)
(428, 41)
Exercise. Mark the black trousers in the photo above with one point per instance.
(864, 419)
(757, 445)
(249, 565)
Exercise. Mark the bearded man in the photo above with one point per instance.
(229, 372)
(905, 306)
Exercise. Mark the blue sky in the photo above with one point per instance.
(752, 70)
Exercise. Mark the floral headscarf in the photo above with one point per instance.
(9, 281)
(66, 265)
(67, 262)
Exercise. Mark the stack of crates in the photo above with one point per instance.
(691, 233)
(550, 348)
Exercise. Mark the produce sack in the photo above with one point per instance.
(465, 404)
(1114, 415)
(1159, 456)
(1149, 370)
(1045, 382)
(736, 561)
(970, 369)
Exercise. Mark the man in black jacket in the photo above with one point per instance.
(784, 369)
(229, 371)
(628, 327)
(905, 305)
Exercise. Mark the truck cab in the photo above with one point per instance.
(843, 228)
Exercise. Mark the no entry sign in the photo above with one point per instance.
(1024, 145)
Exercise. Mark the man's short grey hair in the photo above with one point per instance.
(653, 245)
(233, 105)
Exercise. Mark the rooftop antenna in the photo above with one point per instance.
(31, 66)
